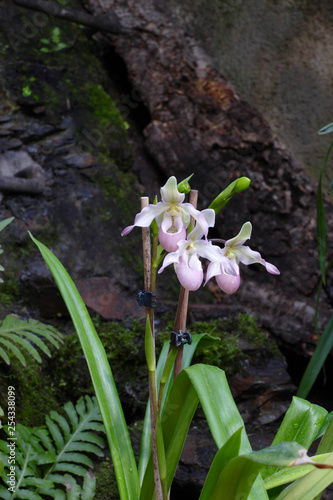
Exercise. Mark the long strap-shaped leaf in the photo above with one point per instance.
(237, 476)
(101, 375)
(204, 340)
(208, 385)
(311, 485)
(318, 359)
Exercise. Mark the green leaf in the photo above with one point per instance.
(311, 485)
(208, 385)
(326, 129)
(176, 418)
(14, 331)
(290, 474)
(72, 488)
(89, 486)
(4, 356)
(35, 448)
(318, 359)
(5, 223)
(238, 475)
(228, 451)
(198, 340)
(15, 351)
(101, 375)
(301, 423)
(321, 222)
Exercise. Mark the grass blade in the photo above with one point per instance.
(316, 362)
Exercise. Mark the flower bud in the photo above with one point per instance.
(237, 186)
(241, 184)
(184, 186)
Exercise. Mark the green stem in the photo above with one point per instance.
(151, 353)
(166, 372)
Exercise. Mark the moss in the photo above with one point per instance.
(106, 485)
(104, 109)
(35, 390)
(227, 353)
(9, 290)
(69, 371)
(120, 205)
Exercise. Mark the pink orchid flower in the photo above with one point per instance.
(172, 216)
(226, 271)
(186, 258)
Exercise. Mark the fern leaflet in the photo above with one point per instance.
(53, 454)
(17, 335)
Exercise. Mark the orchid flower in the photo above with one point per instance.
(226, 271)
(186, 259)
(172, 216)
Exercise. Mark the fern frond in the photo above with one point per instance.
(53, 454)
(89, 486)
(84, 417)
(5, 223)
(30, 336)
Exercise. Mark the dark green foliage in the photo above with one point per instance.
(17, 335)
(51, 456)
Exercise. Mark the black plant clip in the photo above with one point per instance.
(177, 339)
(146, 299)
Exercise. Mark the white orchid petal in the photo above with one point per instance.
(243, 235)
(194, 262)
(127, 230)
(170, 193)
(209, 251)
(171, 258)
(271, 268)
(213, 269)
(247, 256)
(205, 219)
(146, 216)
(230, 266)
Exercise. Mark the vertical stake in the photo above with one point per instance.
(180, 322)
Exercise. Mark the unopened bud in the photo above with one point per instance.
(241, 184)
(225, 196)
(184, 186)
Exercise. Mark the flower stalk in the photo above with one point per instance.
(150, 356)
(180, 322)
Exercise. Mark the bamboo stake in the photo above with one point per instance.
(180, 322)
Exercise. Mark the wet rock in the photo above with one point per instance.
(102, 297)
(84, 160)
(19, 173)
